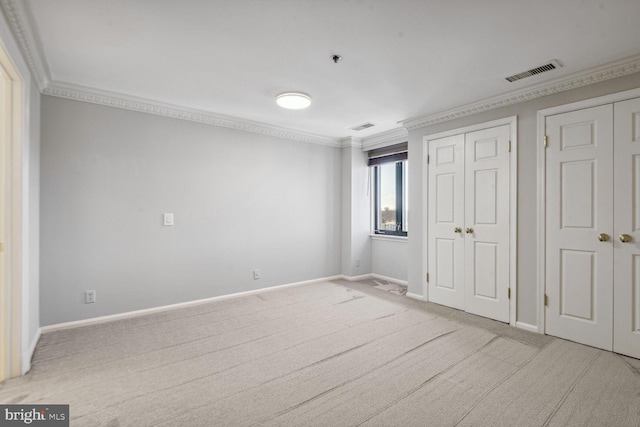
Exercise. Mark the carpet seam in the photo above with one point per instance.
(571, 388)
(257, 385)
(338, 386)
(505, 379)
(432, 378)
(360, 376)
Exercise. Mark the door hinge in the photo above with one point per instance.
(427, 159)
(1, 247)
(508, 293)
(427, 277)
(545, 141)
(546, 300)
(509, 146)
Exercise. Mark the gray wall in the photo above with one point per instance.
(356, 244)
(241, 201)
(527, 182)
(390, 257)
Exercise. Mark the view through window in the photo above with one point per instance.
(390, 204)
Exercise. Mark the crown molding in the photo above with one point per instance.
(383, 139)
(110, 99)
(602, 73)
(350, 141)
(20, 22)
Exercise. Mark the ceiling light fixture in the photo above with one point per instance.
(293, 100)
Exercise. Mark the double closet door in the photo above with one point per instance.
(468, 226)
(593, 226)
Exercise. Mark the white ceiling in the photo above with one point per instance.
(401, 58)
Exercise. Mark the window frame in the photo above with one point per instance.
(401, 208)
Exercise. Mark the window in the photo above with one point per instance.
(389, 169)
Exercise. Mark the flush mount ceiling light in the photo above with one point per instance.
(293, 100)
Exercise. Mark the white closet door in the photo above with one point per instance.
(579, 207)
(446, 221)
(487, 223)
(626, 270)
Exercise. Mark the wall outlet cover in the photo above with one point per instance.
(89, 297)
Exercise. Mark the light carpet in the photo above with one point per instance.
(327, 354)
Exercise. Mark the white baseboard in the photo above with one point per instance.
(356, 278)
(28, 355)
(136, 313)
(528, 327)
(415, 296)
(390, 279)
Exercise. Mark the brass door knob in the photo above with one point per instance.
(603, 237)
(469, 230)
(457, 230)
(625, 238)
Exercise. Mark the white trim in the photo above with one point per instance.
(143, 312)
(27, 355)
(425, 218)
(384, 139)
(512, 121)
(7, 350)
(389, 238)
(20, 21)
(356, 278)
(598, 74)
(112, 99)
(527, 327)
(389, 279)
(350, 141)
(541, 157)
(415, 296)
(513, 221)
(17, 243)
(593, 102)
(541, 221)
(473, 128)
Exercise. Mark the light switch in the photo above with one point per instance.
(168, 219)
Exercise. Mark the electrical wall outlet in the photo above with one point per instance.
(89, 297)
(357, 263)
(167, 220)
(256, 274)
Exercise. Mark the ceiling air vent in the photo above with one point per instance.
(532, 72)
(362, 126)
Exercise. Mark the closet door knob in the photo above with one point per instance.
(625, 238)
(457, 230)
(469, 230)
(603, 237)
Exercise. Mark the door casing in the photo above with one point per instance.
(12, 121)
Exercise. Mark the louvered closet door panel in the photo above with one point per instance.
(487, 223)
(579, 206)
(626, 271)
(446, 211)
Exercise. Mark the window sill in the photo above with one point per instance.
(389, 238)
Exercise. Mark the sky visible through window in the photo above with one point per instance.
(388, 186)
